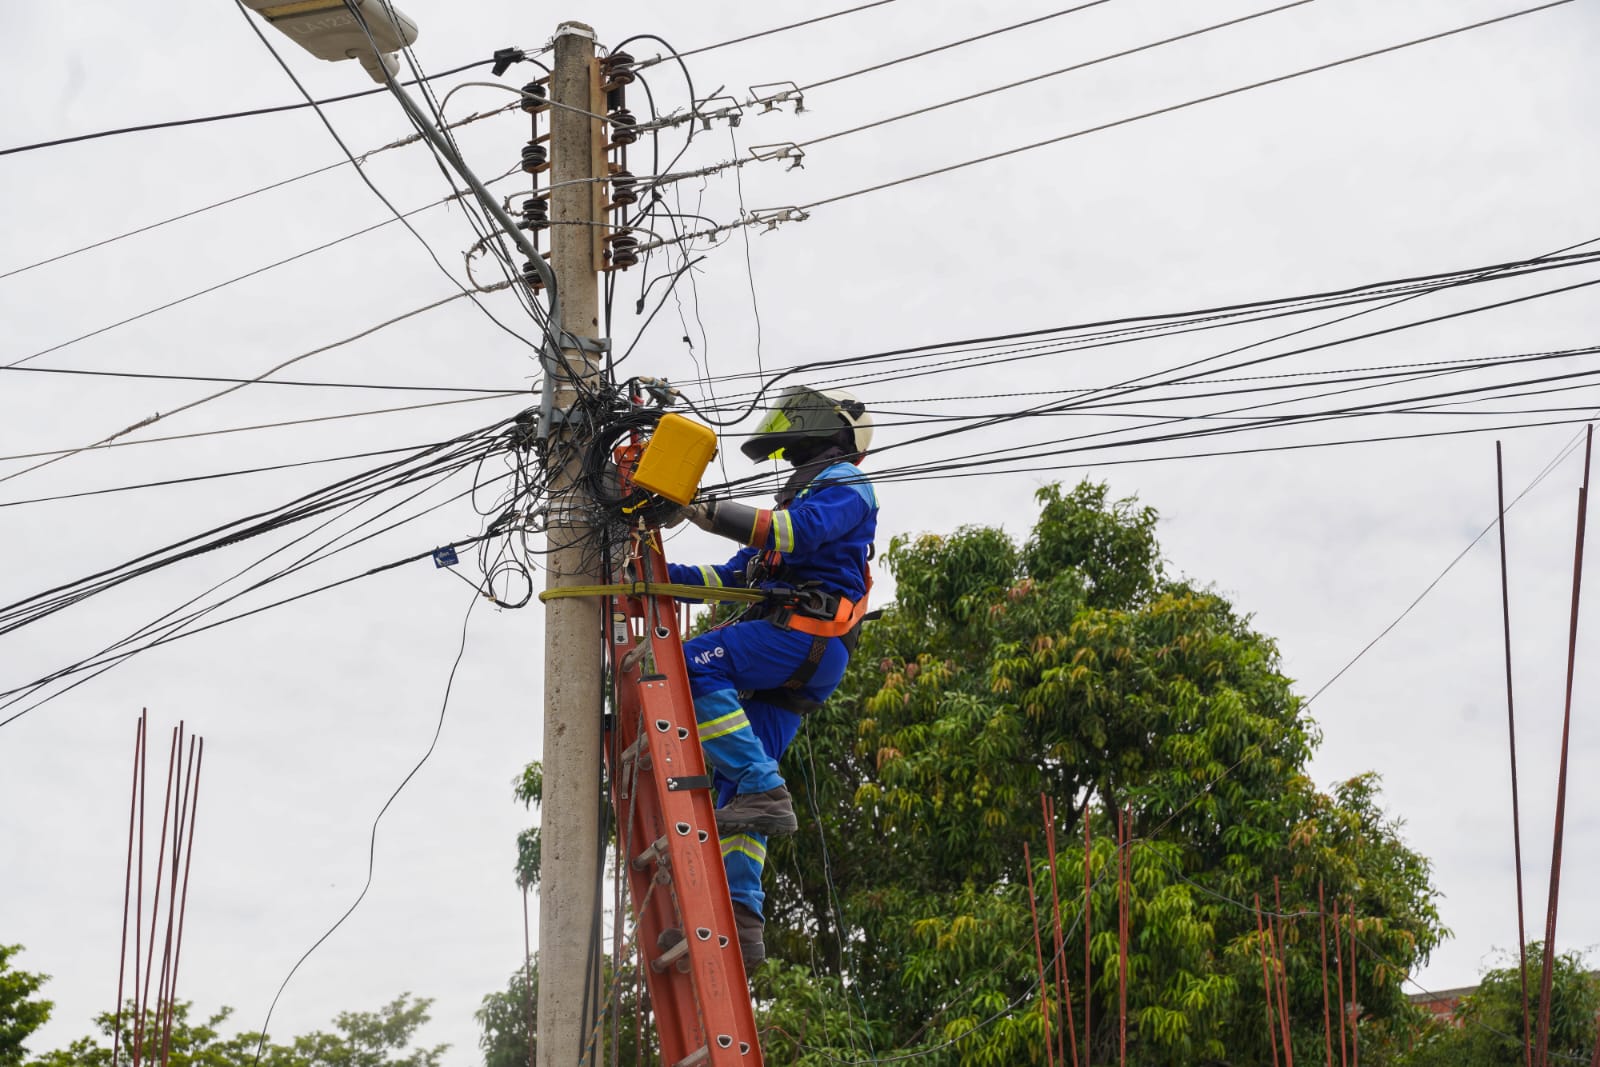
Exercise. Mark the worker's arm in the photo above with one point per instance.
(712, 575)
(823, 516)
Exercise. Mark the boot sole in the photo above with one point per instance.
(767, 825)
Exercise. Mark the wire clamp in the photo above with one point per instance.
(771, 101)
(781, 150)
(771, 218)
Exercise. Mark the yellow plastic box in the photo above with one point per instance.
(675, 457)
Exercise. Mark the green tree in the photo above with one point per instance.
(21, 1012)
(187, 1043)
(528, 789)
(1071, 664)
(361, 1039)
(507, 1019)
(1487, 1030)
(373, 1039)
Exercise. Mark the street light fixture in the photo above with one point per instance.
(335, 29)
(341, 29)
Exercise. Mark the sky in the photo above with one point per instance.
(1477, 149)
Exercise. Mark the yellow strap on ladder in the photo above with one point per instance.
(673, 589)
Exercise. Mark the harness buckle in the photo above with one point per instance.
(816, 603)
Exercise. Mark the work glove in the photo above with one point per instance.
(700, 513)
(696, 512)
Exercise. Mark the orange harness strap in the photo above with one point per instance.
(844, 620)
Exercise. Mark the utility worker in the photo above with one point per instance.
(754, 677)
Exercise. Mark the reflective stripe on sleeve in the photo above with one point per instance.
(783, 531)
(709, 577)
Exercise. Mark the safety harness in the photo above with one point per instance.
(806, 609)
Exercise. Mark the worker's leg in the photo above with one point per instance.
(751, 656)
(745, 852)
(744, 656)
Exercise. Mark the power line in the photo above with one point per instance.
(401, 143)
(152, 376)
(765, 33)
(995, 349)
(953, 44)
(62, 453)
(224, 284)
(110, 657)
(448, 457)
(1052, 74)
(1269, 422)
(1263, 359)
(175, 123)
(1565, 451)
(1179, 107)
(1374, 377)
(159, 416)
(982, 470)
(205, 477)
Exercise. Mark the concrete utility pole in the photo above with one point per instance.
(569, 966)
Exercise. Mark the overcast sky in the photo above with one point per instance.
(1474, 150)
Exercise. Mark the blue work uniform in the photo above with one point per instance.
(825, 537)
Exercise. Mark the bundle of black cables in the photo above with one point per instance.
(620, 500)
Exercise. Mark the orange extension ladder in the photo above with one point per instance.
(667, 831)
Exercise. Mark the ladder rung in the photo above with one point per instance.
(699, 1055)
(671, 955)
(656, 850)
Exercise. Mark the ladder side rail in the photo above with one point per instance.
(700, 878)
(671, 992)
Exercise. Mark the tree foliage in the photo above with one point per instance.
(1487, 1029)
(528, 789)
(1070, 664)
(359, 1039)
(507, 1021)
(21, 1012)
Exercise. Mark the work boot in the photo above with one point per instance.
(751, 945)
(770, 813)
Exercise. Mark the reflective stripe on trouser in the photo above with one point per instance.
(731, 746)
(744, 854)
